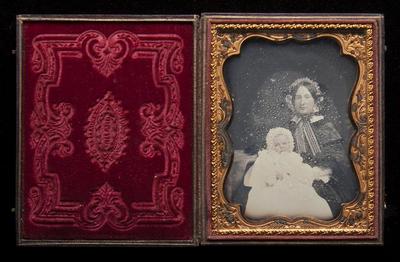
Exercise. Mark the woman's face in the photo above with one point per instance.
(304, 101)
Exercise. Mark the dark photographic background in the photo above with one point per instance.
(259, 77)
(10, 8)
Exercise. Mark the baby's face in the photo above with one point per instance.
(281, 143)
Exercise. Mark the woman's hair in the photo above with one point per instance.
(274, 132)
(312, 87)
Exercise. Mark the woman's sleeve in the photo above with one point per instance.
(342, 185)
(331, 143)
(343, 180)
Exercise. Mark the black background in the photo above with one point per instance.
(10, 8)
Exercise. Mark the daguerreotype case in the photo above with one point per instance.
(292, 128)
(106, 142)
(174, 130)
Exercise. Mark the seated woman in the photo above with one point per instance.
(281, 184)
(320, 144)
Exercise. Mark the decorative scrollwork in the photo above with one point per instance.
(107, 54)
(106, 206)
(106, 130)
(355, 45)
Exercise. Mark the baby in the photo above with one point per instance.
(281, 184)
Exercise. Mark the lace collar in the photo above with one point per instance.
(313, 118)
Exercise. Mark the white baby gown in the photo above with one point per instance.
(281, 185)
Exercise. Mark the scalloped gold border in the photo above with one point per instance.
(357, 217)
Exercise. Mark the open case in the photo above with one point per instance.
(175, 130)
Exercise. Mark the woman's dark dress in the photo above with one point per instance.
(343, 184)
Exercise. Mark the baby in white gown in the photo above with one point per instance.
(281, 184)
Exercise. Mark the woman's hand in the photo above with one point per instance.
(326, 171)
(323, 173)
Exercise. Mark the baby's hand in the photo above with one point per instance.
(270, 181)
(279, 176)
(269, 184)
(324, 173)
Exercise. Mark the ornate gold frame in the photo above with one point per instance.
(358, 39)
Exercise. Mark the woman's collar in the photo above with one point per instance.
(313, 118)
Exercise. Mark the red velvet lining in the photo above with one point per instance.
(90, 175)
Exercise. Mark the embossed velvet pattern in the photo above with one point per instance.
(107, 130)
